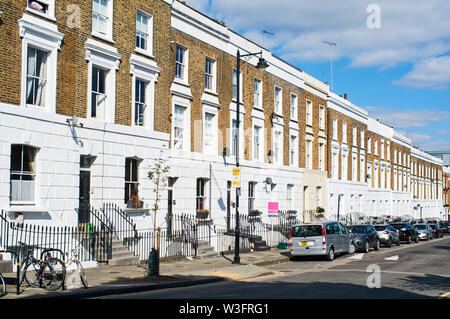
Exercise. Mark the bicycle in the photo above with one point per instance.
(42, 273)
(73, 258)
(2, 286)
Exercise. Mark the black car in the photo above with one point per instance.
(437, 230)
(407, 232)
(365, 237)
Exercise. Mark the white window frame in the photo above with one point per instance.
(344, 132)
(344, 165)
(185, 126)
(41, 35)
(131, 183)
(146, 70)
(234, 85)
(257, 93)
(362, 170)
(369, 145)
(321, 117)
(277, 152)
(321, 156)
(362, 139)
(148, 51)
(251, 195)
(212, 147)
(335, 129)
(50, 14)
(24, 173)
(183, 77)
(293, 149)
(293, 108)
(382, 149)
(309, 115)
(354, 135)
(290, 196)
(259, 155)
(354, 167)
(108, 36)
(334, 164)
(107, 58)
(211, 76)
(278, 100)
(309, 153)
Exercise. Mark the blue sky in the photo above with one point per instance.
(392, 57)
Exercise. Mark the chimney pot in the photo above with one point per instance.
(345, 96)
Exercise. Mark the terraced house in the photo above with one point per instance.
(92, 92)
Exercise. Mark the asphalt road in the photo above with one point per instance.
(409, 271)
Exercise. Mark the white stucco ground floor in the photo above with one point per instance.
(351, 198)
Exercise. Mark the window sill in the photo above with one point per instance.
(103, 37)
(181, 82)
(43, 15)
(147, 53)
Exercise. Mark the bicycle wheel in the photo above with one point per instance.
(54, 273)
(2, 286)
(32, 274)
(83, 275)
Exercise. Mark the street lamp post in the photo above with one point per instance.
(262, 64)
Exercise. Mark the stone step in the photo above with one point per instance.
(261, 248)
(260, 243)
(207, 255)
(6, 266)
(124, 261)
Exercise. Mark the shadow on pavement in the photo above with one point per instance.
(424, 283)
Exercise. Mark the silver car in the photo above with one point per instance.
(388, 235)
(320, 239)
(424, 230)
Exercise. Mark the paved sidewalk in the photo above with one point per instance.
(110, 280)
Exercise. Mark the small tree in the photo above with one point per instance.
(158, 174)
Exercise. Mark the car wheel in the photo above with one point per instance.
(377, 245)
(330, 256)
(366, 247)
(352, 248)
(428, 238)
(409, 240)
(398, 242)
(417, 239)
(389, 244)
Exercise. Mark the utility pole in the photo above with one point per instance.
(331, 44)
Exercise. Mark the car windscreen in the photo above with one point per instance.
(433, 226)
(421, 227)
(380, 228)
(398, 226)
(359, 230)
(307, 231)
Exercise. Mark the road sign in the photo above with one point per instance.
(273, 209)
(236, 177)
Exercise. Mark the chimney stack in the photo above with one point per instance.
(345, 95)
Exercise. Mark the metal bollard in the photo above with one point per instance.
(153, 263)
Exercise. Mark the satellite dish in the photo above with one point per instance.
(268, 180)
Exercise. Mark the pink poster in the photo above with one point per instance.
(273, 209)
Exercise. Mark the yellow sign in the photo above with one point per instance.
(236, 177)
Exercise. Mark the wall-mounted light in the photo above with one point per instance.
(73, 121)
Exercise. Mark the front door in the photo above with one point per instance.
(85, 189)
(228, 204)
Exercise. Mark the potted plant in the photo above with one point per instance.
(254, 212)
(320, 210)
(202, 213)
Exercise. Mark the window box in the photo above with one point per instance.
(254, 213)
(202, 213)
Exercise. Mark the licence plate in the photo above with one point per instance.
(304, 243)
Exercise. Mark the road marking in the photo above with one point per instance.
(229, 275)
(393, 258)
(357, 257)
(446, 295)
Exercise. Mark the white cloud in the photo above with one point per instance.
(407, 119)
(430, 73)
(412, 31)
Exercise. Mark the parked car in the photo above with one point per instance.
(407, 232)
(365, 237)
(387, 235)
(320, 239)
(437, 231)
(445, 227)
(424, 230)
